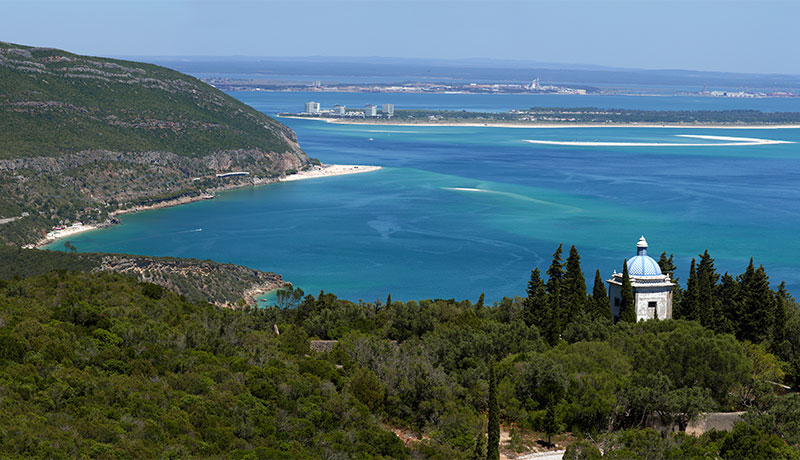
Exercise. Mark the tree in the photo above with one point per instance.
(601, 309)
(706, 302)
(688, 306)
(555, 290)
(480, 448)
(730, 304)
(757, 320)
(493, 443)
(550, 423)
(627, 309)
(538, 310)
(479, 304)
(574, 287)
(668, 268)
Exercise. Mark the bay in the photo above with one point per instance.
(458, 211)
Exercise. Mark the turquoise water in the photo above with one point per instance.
(408, 230)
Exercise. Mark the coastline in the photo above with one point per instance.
(314, 172)
(495, 124)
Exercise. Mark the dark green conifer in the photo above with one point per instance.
(389, 300)
(601, 309)
(707, 278)
(730, 304)
(758, 305)
(550, 423)
(688, 307)
(538, 310)
(574, 286)
(493, 442)
(555, 289)
(668, 268)
(627, 309)
(479, 305)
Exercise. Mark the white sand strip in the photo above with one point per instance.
(729, 141)
(329, 170)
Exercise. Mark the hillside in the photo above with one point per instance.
(82, 136)
(99, 365)
(197, 280)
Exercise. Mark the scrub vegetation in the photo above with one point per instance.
(101, 365)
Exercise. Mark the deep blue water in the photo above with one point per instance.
(408, 231)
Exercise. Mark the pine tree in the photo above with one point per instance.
(627, 309)
(574, 287)
(601, 309)
(555, 291)
(782, 301)
(550, 423)
(707, 278)
(479, 305)
(389, 300)
(728, 295)
(757, 321)
(493, 443)
(538, 309)
(668, 268)
(688, 306)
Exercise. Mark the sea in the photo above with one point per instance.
(460, 211)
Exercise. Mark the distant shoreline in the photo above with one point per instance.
(496, 124)
(311, 173)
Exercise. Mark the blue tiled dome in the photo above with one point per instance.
(642, 264)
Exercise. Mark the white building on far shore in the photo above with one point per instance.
(370, 110)
(652, 290)
(388, 110)
(312, 107)
(339, 110)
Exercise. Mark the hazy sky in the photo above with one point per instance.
(754, 36)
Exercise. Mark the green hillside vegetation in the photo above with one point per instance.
(103, 366)
(53, 102)
(197, 280)
(83, 136)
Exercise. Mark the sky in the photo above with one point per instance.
(750, 36)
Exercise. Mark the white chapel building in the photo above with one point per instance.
(652, 290)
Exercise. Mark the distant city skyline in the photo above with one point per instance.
(709, 35)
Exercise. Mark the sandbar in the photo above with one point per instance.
(728, 141)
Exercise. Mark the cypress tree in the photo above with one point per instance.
(668, 268)
(758, 305)
(493, 443)
(555, 290)
(574, 286)
(479, 305)
(688, 308)
(707, 278)
(730, 305)
(627, 310)
(782, 301)
(601, 309)
(538, 309)
(389, 300)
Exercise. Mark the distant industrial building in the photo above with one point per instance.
(312, 107)
(370, 110)
(338, 110)
(388, 109)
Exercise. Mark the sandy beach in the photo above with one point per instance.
(329, 170)
(311, 173)
(350, 121)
